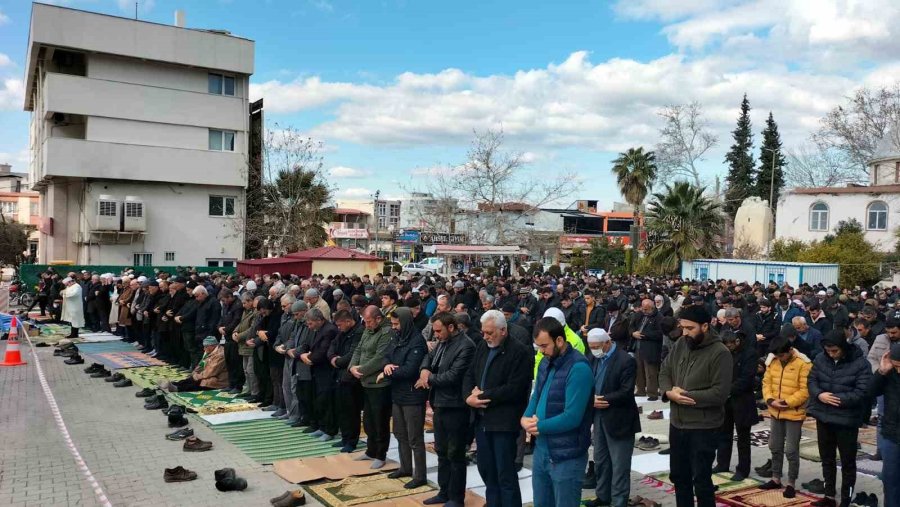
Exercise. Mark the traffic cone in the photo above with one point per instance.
(13, 357)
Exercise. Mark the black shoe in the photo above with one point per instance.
(873, 500)
(590, 478)
(766, 466)
(815, 486)
(157, 403)
(180, 434)
(435, 500)
(652, 398)
(93, 368)
(224, 473)
(771, 485)
(737, 477)
(415, 483)
(104, 373)
(76, 359)
(348, 448)
(123, 383)
(252, 399)
(862, 498)
(115, 377)
(396, 474)
(876, 456)
(789, 492)
(720, 469)
(145, 393)
(177, 422)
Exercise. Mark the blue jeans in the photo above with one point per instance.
(497, 466)
(612, 459)
(557, 484)
(890, 471)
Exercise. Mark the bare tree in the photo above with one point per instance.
(685, 138)
(494, 191)
(293, 197)
(810, 166)
(856, 128)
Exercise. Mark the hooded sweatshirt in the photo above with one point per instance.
(705, 372)
(406, 350)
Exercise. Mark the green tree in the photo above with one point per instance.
(858, 260)
(786, 250)
(740, 162)
(576, 261)
(13, 241)
(606, 255)
(687, 224)
(635, 171)
(770, 153)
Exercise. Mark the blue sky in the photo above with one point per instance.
(396, 87)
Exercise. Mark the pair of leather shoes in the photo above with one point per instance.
(156, 403)
(94, 368)
(123, 383)
(115, 377)
(227, 480)
(74, 359)
(289, 499)
(176, 416)
(145, 393)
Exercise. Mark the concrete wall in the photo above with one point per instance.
(346, 267)
(792, 217)
(177, 221)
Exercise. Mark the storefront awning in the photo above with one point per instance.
(475, 250)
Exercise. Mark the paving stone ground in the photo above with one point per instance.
(124, 447)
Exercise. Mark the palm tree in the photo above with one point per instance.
(635, 172)
(687, 225)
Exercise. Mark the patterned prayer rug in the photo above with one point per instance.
(663, 480)
(150, 376)
(120, 360)
(758, 438)
(755, 497)
(810, 451)
(362, 490)
(268, 440)
(211, 402)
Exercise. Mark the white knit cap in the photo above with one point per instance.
(557, 314)
(597, 335)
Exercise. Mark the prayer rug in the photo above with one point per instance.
(97, 348)
(363, 490)
(663, 480)
(755, 497)
(758, 438)
(472, 500)
(120, 360)
(810, 451)
(269, 440)
(211, 402)
(869, 467)
(868, 435)
(151, 376)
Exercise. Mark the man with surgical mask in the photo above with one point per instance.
(616, 419)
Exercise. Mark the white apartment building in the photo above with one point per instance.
(139, 139)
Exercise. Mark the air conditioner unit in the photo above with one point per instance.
(134, 217)
(108, 214)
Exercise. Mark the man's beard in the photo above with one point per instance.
(694, 342)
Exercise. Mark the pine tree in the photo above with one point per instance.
(770, 153)
(741, 171)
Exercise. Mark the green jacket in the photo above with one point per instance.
(369, 355)
(243, 329)
(705, 373)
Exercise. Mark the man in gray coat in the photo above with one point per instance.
(288, 341)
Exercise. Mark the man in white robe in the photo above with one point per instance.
(72, 306)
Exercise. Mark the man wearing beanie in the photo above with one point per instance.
(886, 382)
(696, 377)
(210, 372)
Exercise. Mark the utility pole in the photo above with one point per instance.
(375, 212)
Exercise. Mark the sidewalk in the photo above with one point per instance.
(121, 443)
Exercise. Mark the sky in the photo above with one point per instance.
(396, 88)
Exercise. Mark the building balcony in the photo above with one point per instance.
(64, 93)
(78, 158)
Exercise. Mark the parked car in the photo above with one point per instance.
(414, 268)
(435, 263)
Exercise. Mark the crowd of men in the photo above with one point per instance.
(542, 364)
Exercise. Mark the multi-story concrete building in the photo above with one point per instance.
(139, 139)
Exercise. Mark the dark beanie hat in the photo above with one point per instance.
(895, 352)
(695, 313)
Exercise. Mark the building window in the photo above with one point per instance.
(143, 259)
(221, 85)
(877, 216)
(106, 208)
(381, 209)
(35, 209)
(170, 256)
(221, 206)
(818, 217)
(221, 140)
(220, 263)
(9, 207)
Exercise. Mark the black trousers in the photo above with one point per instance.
(275, 375)
(306, 395)
(349, 406)
(40, 300)
(189, 385)
(377, 420)
(324, 406)
(841, 439)
(451, 432)
(234, 364)
(261, 370)
(726, 443)
(690, 460)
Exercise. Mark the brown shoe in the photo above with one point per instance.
(194, 444)
(294, 499)
(656, 414)
(178, 474)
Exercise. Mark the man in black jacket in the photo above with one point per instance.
(768, 327)
(230, 310)
(616, 418)
(886, 382)
(647, 334)
(348, 393)
(497, 384)
(740, 409)
(442, 371)
(315, 355)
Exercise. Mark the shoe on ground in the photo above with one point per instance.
(789, 492)
(280, 412)
(326, 437)
(766, 466)
(115, 377)
(397, 474)
(363, 457)
(293, 499)
(123, 383)
(435, 500)
(271, 408)
(655, 415)
(180, 434)
(771, 485)
(347, 449)
(415, 483)
(861, 498)
(145, 393)
(194, 444)
(104, 373)
(377, 464)
(157, 403)
(312, 430)
(177, 421)
(720, 469)
(815, 486)
(236, 484)
(296, 424)
(93, 367)
(178, 474)
(652, 398)
(737, 477)
(75, 359)
(224, 473)
(824, 502)
(252, 399)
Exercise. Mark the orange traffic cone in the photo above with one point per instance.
(13, 357)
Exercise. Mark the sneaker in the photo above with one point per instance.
(194, 444)
(771, 485)
(75, 359)
(178, 474)
(180, 434)
(789, 492)
(93, 368)
(124, 383)
(815, 486)
(101, 374)
(115, 377)
(145, 393)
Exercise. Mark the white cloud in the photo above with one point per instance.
(12, 95)
(322, 5)
(346, 172)
(4, 19)
(19, 160)
(5, 60)
(353, 192)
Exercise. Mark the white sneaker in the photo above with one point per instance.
(377, 464)
(362, 457)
